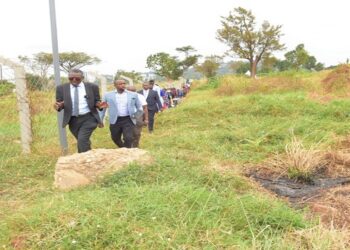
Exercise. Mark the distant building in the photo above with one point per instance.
(146, 76)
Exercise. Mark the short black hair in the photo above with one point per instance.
(77, 71)
(151, 81)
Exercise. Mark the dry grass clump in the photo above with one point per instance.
(233, 85)
(338, 79)
(317, 237)
(302, 162)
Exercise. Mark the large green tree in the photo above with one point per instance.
(299, 58)
(189, 60)
(171, 67)
(76, 60)
(239, 33)
(165, 65)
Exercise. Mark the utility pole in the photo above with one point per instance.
(62, 131)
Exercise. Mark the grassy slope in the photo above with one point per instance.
(178, 202)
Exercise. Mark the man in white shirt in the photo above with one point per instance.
(141, 117)
(123, 106)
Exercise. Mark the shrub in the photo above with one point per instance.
(35, 82)
(6, 87)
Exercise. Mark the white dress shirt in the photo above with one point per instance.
(145, 93)
(142, 99)
(83, 105)
(157, 89)
(122, 103)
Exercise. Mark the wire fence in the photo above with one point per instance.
(28, 121)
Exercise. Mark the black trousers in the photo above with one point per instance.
(82, 127)
(124, 126)
(151, 114)
(136, 136)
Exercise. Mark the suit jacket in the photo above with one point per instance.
(153, 101)
(133, 105)
(92, 96)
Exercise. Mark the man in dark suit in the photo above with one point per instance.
(153, 103)
(79, 101)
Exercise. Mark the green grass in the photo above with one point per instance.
(164, 205)
(179, 202)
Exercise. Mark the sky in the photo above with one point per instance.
(124, 33)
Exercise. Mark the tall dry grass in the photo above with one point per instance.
(233, 85)
(311, 82)
(338, 80)
(317, 237)
(302, 162)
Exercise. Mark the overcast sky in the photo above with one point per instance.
(123, 33)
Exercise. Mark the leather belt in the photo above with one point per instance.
(83, 114)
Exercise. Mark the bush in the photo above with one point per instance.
(212, 83)
(6, 87)
(35, 82)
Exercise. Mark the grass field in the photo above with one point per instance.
(194, 195)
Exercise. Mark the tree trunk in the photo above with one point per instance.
(253, 68)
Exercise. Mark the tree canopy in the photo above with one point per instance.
(76, 60)
(210, 66)
(298, 59)
(239, 33)
(135, 76)
(39, 64)
(171, 67)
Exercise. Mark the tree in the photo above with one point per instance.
(189, 60)
(165, 65)
(135, 76)
(39, 64)
(299, 58)
(76, 60)
(282, 65)
(238, 32)
(210, 66)
(240, 67)
(268, 64)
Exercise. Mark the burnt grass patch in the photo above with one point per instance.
(326, 192)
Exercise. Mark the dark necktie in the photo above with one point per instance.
(76, 102)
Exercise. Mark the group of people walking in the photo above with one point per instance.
(128, 110)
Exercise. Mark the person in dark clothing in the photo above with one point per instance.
(153, 104)
(79, 101)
